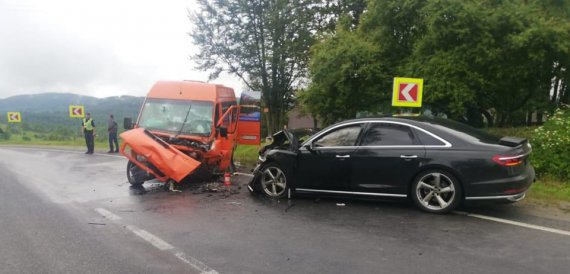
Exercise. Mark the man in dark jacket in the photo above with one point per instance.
(112, 129)
(88, 128)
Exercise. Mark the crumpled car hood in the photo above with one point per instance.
(282, 140)
(170, 161)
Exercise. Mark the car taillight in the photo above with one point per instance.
(509, 160)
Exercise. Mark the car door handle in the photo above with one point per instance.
(343, 156)
(408, 156)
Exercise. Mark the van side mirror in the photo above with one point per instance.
(128, 123)
(223, 132)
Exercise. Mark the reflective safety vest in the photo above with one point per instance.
(88, 124)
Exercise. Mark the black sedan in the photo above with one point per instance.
(437, 163)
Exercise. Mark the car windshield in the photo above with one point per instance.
(169, 115)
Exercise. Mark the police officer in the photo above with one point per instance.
(88, 128)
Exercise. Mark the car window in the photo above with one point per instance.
(345, 136)
(427, 139)
(385, 134)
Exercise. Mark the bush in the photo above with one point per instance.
(551, 144)
(5, 135)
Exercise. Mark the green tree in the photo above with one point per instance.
(263, 42)
(501, 58)
(346, 78)
(499, 55)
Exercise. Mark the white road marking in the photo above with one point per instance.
(195, 263)
(150, 238)
(244, 174)
(108, 214)
(515, 223)
(160, 244)
(406, 92)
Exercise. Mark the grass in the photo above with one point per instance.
(246, 155)
(552, 191)
(30, 139)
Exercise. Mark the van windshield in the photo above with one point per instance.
(169, 115)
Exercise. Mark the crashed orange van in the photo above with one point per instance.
(184, 127)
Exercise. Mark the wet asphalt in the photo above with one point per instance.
(53, 220)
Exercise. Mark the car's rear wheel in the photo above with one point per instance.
(436, 191)
(273, 181)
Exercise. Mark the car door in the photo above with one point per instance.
(387, 158)
(324, 163)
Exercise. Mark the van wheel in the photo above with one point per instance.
(132, 169)
(436, 191)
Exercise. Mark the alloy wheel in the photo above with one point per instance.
(273, 181)
(435, 191)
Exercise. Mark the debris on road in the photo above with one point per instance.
(340, 204)
(96, 224)
(171, 186)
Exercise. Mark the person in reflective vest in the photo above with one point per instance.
(88, 128)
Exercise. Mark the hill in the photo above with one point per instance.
(49, 112)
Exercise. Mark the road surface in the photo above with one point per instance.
(67, 212)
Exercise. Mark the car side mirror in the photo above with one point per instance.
(309, 147)
(223, 132)
(128, 123)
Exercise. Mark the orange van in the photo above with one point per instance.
(186, 126)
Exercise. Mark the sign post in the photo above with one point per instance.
(14, 117)
(407, 92)
(76, 112)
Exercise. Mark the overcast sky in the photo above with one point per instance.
(99, 48)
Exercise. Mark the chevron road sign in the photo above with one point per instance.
(14, 117)
(407, 92)
(76, 112)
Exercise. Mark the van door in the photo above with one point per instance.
(249, 123)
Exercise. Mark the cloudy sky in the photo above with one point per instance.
(99, 48)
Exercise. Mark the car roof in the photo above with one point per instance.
(455, 132)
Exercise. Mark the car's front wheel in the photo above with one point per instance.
(132, 171)
(436, 191)
(273, 181)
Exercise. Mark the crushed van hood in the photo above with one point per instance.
(171, 162)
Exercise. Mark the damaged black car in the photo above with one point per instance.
(437, 163)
